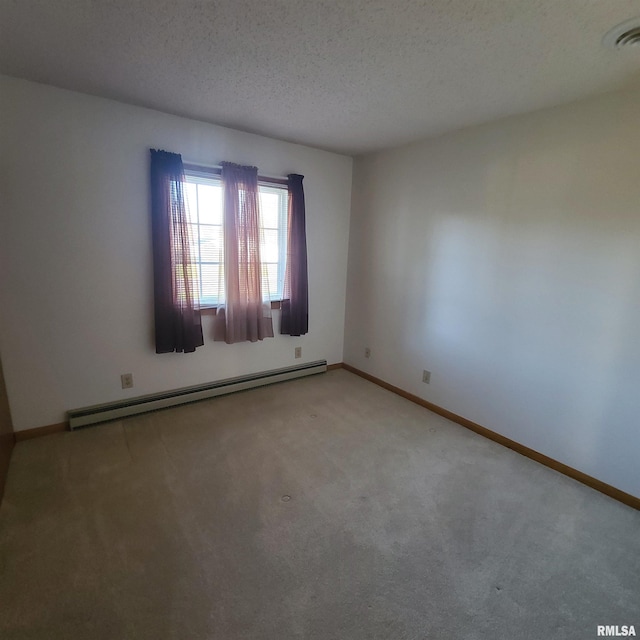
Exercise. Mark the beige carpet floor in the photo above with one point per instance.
(321, 508)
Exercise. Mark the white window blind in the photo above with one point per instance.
(204, 200)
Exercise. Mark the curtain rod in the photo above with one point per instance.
(217, 170)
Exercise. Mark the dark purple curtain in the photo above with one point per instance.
(177, 311)
(294, 318)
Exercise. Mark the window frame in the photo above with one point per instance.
(214, 174)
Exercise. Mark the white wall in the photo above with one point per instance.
(506, 259)
(75, 254)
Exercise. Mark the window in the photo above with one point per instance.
(204, 198)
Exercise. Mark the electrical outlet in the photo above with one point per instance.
(426, 376)
(367, 352)
(127, 380)
(298, 352)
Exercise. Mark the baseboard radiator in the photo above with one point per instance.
(142, 404)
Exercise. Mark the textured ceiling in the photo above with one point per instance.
(349, 76)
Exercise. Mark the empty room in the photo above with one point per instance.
(319, 320)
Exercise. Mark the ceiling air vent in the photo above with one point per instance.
(624, 35)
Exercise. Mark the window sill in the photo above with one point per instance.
(211, 311)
